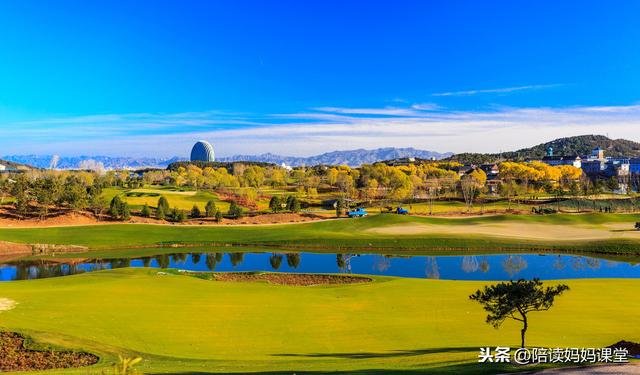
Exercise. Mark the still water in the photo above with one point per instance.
(469, 267)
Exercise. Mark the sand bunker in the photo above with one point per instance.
(513, 230)
(7, 304)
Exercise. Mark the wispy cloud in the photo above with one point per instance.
(318, 130)
(503, 90)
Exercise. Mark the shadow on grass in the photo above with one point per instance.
(393, 354)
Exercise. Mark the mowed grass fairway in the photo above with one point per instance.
(182, 324)
(177, 198)
(587, 232)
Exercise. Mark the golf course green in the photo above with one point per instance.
(182, 324)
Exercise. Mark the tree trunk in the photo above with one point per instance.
(524, 330)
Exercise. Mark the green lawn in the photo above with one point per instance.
(182, 324)
(179, 198)
(376, 232)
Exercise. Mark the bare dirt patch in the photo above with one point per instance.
(8, 218)
(512, 230)
(295, 279)
(10, 248)
(61, 218)
(6, 304)
(15, 356)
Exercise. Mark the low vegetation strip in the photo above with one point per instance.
(15, 356)
(295, 279)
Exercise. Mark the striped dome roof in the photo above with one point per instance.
(202, 151)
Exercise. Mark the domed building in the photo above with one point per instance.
(202, 151)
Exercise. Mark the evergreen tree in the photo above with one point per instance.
(195, 212)
(114, 207)
(235, 210)
(210, 209)
(146, 211)
(178, 215)
(164, 204)
(218, 216)
(161, 214)
(274, 204)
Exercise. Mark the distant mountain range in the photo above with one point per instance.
(74, 162)
(351, 157)
(579, 145)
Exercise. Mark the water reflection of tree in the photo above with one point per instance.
(343, 262)
(179, 258)
(40, 270)
(119, 262)
(470, 264)
(581, 263)
(381, 263)
(163, 260)
(211, 260)
(432, 271)
(293, 260)
(146, 261)
(236, 258)
(514, 264)
(275, 260)
(195, 258)
(558, 264)
(484, 265)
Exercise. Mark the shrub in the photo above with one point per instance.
(195, 212)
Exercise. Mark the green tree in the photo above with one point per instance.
(47, 191)
(164, 204)
(195, 212)
(293, 204)
(161, 214)
(125, 211)
(218, 216)
(515, 299)
(146, 211)
(210, 209)
(75, 193)
(274, 204)
(235, 210)
(118, 209)
(115, 207)
(178, 215)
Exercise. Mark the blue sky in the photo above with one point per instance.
(302, 77)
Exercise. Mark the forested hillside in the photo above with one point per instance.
(579, 145)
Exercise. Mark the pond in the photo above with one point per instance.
(467, 267)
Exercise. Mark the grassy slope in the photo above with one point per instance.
(180, 323)
(335, 234)
(177, 198)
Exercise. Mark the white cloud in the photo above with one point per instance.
(318, 130)
(503, 90)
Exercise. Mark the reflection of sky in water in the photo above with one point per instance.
(468, 267)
